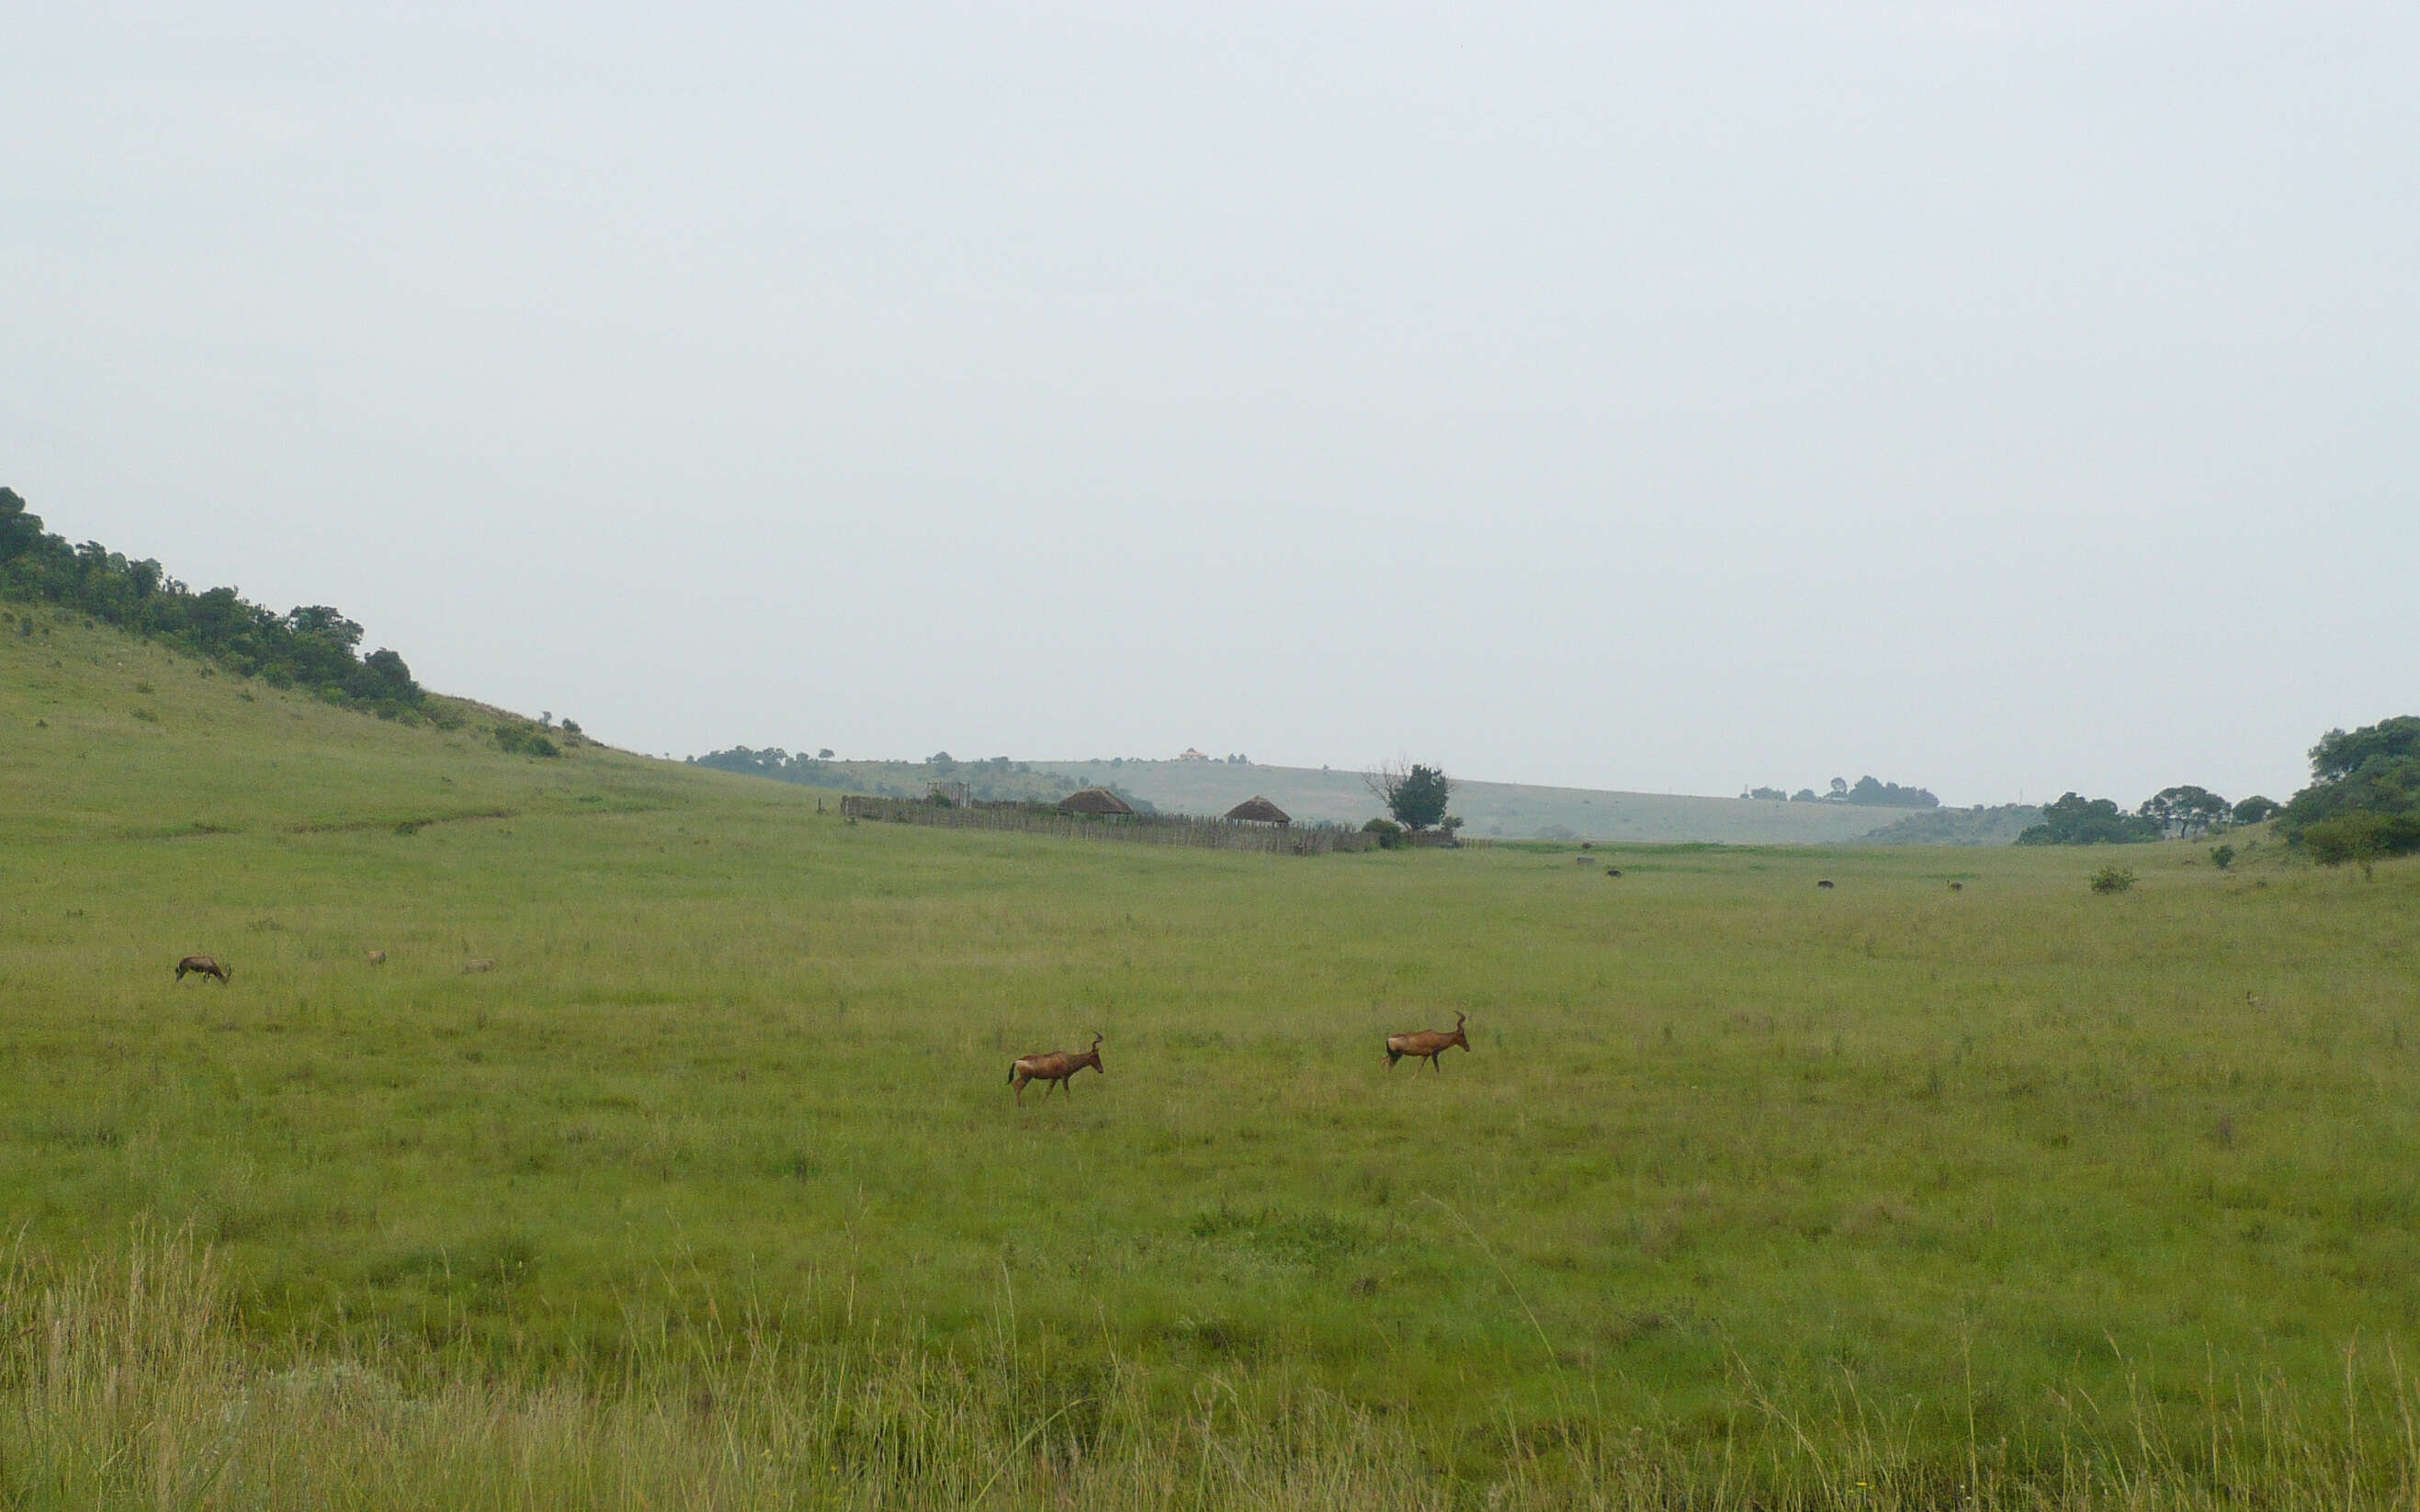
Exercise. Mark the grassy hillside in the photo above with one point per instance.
(711, 1191)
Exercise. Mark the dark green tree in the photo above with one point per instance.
(1415, 795)
(2254, 810)
(2074, 820)
(2185, 810)
(2364, 800)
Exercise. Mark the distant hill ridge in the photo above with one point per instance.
(1506, 811)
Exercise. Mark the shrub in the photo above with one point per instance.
(2222, 857)
(524, 739)
(2362, 836)
(1388, 832)
(2112, 879)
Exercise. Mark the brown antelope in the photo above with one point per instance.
(200, 966)
(377, 958)
(1430, 1044)
(1058, 1068)
(484, 963)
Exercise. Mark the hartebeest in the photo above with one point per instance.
(377, 958)
(200, 966)
(1058, 1068)
(1429, 1045)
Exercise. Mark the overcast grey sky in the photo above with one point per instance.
(1998, 398)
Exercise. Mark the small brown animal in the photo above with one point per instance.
(486, 963)
(1958, 887)
(1613, 871)
(377, 958)
(1430, 1044)
(1058, 1068)
(1825, 884)
(200, 966)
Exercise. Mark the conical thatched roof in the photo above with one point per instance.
(1093, 800)
(1258, 810)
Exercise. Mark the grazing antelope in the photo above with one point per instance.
(200, 966)
(377, 958)
(484, 963)
(1058, 1068)
(1430, 1044)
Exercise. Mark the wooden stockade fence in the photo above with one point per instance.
(1149, 829)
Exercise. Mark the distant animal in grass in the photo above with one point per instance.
(1058, 1068)
(377, 958)
(200, 966)
(1429, 1045)
(1825, 884)
(1613, 871)
(484, 963)
(1958, 887)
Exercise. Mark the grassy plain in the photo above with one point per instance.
(1749, 1190)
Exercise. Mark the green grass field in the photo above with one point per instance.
(1749, 1191)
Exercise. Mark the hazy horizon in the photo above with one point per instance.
(1999, 399)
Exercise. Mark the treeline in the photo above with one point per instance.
(311, 647)
(1867, 792)
(2180, 812)
(2364, 802)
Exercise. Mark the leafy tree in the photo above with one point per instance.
(2074, 820)
(2185, 810)
(2254, 810)
(2364, 800)
(1773, 793)
(1416, 797)
(825, 754)
(2339, 755)
(1388, 831)
(2222, 857)
(1887, 794)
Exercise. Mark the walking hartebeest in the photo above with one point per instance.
(1058, 1068)
(1427, 1043)
(200, 966)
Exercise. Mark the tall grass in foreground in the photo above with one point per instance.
(125, 1381)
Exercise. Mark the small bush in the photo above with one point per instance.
(2112, 879)
(1389, 833)
(2222, 857)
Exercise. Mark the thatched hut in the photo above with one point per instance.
(1258, 810)
(1093, 802)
